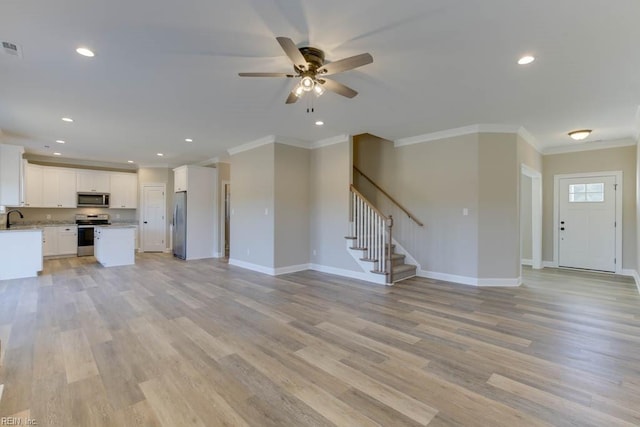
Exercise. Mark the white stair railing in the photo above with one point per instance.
(372, 231)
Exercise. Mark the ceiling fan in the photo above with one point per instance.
(309, 66)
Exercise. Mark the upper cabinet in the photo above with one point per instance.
(180, 179)
(10, 175)
(124, 191)
(58, 188)
(33, 181)
(93, 182)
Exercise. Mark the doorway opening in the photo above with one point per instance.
(227, 218)
(531, 217)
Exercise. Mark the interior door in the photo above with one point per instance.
(587, 223)
(153, 218)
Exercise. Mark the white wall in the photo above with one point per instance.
(525, 218)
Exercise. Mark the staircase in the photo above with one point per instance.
(371, 242)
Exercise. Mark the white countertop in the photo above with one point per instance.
(22, 229)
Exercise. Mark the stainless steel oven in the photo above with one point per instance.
(86, 224)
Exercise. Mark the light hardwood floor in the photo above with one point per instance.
(202, 343)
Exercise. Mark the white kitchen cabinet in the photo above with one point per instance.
(180, 179)
(33, 182)
(114, 245)
(59, 188)
(60, 240)
(124, 191)
(93, 182)
(11, 175)
(20, 253)
(50, 241)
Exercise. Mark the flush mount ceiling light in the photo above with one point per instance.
(188, 140)
(160, 154)
(319, 123)
(57, 154)
(85, 52)
(59, 141)
(309, 65)
(67, 119)
(579, 135)
(526, 60)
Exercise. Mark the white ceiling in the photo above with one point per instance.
(167, 70)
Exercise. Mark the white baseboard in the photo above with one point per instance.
(549, 264)
(348, 273)
(269, 270)
(470, 281)
(528, 262)
(632, 273)
(254, 267)
(291, 269)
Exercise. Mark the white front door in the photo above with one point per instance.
(153, 218)
(587, 223)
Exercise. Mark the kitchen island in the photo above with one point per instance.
(20, 252)
(114, 245)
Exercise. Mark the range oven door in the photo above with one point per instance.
(85, 240)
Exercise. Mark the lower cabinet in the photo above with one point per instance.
(60, 240)
(114, 246)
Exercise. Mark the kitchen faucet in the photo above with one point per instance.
(9, 213)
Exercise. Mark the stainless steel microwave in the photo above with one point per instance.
(93, 200)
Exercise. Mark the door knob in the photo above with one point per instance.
(562, 228)
(145, 222)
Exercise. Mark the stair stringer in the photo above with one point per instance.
(409, 259)
(366, 266)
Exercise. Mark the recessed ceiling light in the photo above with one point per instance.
(160, 154)
(57, 154)
(579, 135)
(319, 123)
(67, 119)
(85, 52)
(525, 60)
(188, 140)
(129, 161)
(59, 141)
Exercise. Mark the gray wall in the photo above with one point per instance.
(291, 205)
(611, 159)
(252, 204)
(434, 180)
(498, 203)
(525, 218)
(330, 177)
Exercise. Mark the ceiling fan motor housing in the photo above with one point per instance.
(313, 56)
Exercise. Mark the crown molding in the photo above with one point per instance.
(294, 142)
(530, 139)
(270, 139)
(467, 130)
(338, 139)
(590, 146)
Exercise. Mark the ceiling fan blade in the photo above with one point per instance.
(338, 88)
(265, 75)
(292, 98)
(346, 64)
(292, 52)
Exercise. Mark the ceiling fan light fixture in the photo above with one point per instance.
(298, 90)
(579, 135)
(307, 84)
(318, 89)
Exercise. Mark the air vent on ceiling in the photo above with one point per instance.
(12, 49)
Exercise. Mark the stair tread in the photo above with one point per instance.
(350, 237)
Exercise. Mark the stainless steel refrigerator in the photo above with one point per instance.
(180, 225)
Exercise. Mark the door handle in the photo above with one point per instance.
(144, 222)
(561, 228)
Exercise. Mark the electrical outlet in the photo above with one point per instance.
(266, 211)
(314, 252)
(48, 216)
(465, 212)
(248, 251)
(117, 216)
